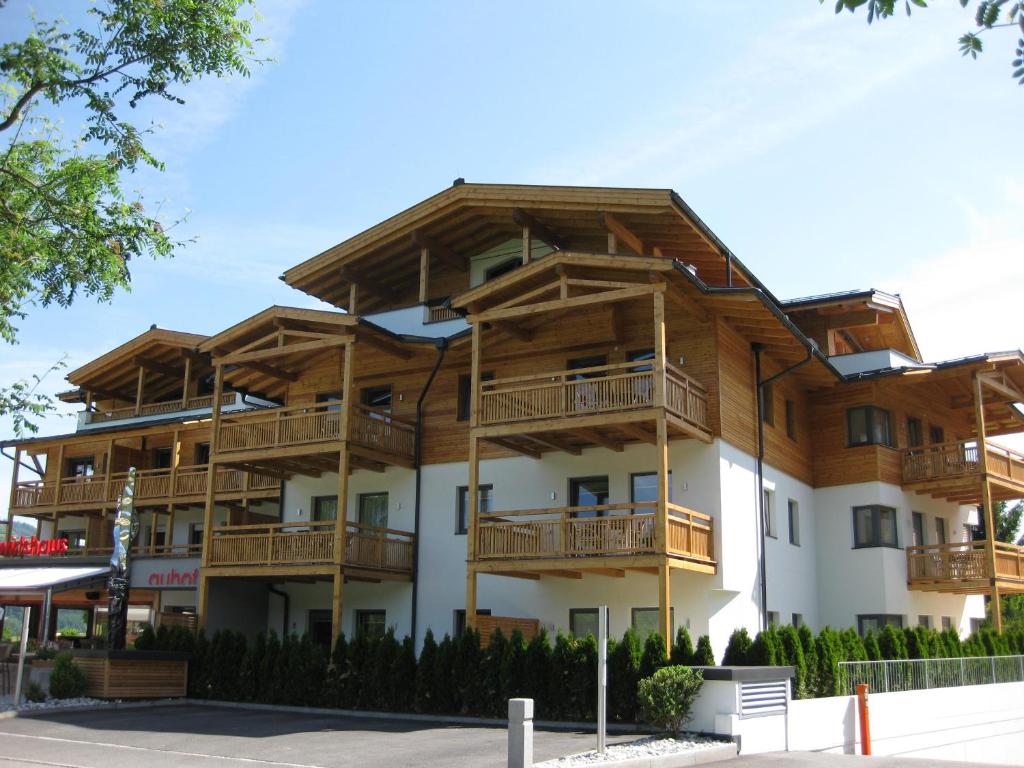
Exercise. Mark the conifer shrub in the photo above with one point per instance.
(268, 665)
(584, 678)
(828, 679)
(336, 685)
(682, 649)
(249, 674)
(424, 695)
(199, 669)
(704, 655)
(623, 675)
(67, 680)
(537, 674)
(494, 695)
(871, 646)
(146, 640)
(468, 680)
(446, 697)
(892, 643)
(853, 646)
(765, 651)
(793, 656)
(665, 699)
(737, 651)
(653, 656)
(513, 667)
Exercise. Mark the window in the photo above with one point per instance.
(940, 530)
(377, 397)
(323, 508)
(645, 621)
(936, 435)
(146, 537)
(791, 420)
(373, 509)
(370, 623)
(768, 404)
(976, 625)
(947, 622)
(583, 622)
(797, 620)
(869, 425)
(195, 534)
(771, 527)
(459, 620)
(72, 622)
(914, 436)
(874, 526)
(318, 627)
(330, 397)
(773, 618)
(588, 492)
(925, 621)
(503, 268)
(918, 524)
(466, 393)
(592, 361)
(794, 523)
(202, 454)
(643, 486)
(76, 539)
(875, 621)
(162, 458)
(83, 467)
(641, 356)
(462, 505)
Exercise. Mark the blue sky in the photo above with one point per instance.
(827, 154)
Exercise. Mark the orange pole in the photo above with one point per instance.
(865, 721)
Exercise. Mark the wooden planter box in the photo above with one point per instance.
(134, 674)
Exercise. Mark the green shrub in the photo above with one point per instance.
(737, 652)
(623, 675)
(704, 656)
(146, 641)
(513, 667)
(493, 661)
(34, 692)
(424, 697)
(766, 650)
(67, 680)
(538, 674)
(892, 643)
(267, 693)
(468, 681)
(793, 656)
(653, 657)
(828, 679)
(682, 649)
(584, 679)
(871, 646)
(445, 695)
(853, 646)
(666, 698)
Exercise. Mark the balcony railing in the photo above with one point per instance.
(587, 391)
(311, 544)
(596, 530)
(138, 550)
(185, 481)
(960, 460)
(963, 562)
(310, 424)
(157, 409)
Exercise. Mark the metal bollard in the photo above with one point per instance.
(520, 733)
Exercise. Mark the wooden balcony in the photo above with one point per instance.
(264, 548)
(159, 409)
(152, 486)
(602, 395)
(140, 550)
(573, 536)
(951, 471)
(315, 428)
(964, 567)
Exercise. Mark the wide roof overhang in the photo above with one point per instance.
(40, 578)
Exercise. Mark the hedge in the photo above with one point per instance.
(458, 676)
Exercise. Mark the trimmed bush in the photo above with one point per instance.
(623, 675)
(445, 695)
(468, 680)
(67, 680)
(34, 692)
(653, 657)
(793, 656)
(892, 643)
(871, 646)
(538, 674)
(827, 655)
(853, 646)
(513, 668)
(426, 701)
(682, 649)
(766, 650)
(737, 652)
(493, 661)
(704, 656)
(665, 699)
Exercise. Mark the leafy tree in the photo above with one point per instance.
(988, 15)
(69, 225)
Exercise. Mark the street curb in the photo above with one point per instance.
(677, 760)
(104, 705)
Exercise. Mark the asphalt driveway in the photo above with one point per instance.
(209, 737)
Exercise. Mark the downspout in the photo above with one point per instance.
(287, 604)
(759, 472)
(442, 347)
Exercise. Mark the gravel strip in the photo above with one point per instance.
(651, 746)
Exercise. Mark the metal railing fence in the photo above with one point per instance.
(920, 674)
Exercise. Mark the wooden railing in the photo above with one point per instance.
(591, 531)
(586, 391)
(138, 550)
(960, 459)
(381, 431)
(438, 313)
(156, 409)
(280, 427)
(963, 562)
(185, 481)
(298, 543)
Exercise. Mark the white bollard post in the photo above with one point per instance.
(520, 733)
(602, 678)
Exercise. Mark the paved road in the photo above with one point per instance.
(819, 760)
(208, 737)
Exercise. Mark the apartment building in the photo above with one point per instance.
(641, 422)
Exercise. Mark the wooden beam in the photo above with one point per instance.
(617, 573)
(509, 445)
(618, 323)
(267, 354)
(594, 436)
(369, 285)
(563, 574)
(424, 274)
(269, 370)
(443, 252)
(538, 228)
(637, 430)
(1001, 385)
(558, 444)
(513, 330)
(527, 245)
(373, 340)
(606, 297)
(155, 365)
(622, 232)
(139, 386)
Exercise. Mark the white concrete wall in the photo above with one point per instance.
(980, 724)
(874, 580)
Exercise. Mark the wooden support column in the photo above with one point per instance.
(613, 244)
(60, 473)
(155, 521)
(14, 493)
(346, 371)
(169, 533)
(665, 603)
(186, 382)
(108, 470)
(139, 387)
(986, 500)
(473, 492)
(659, 349)
(527, 245)
(353, 297)
(337, 594)
(211, 475)
(56, 522)
(424, 274)
(175, 461)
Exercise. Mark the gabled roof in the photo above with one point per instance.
(466, 219)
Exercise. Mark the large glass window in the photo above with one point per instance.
(377, 397)
(875, 621)
(162, 458)
(324, 508)
(202, 454)
(645, 621)
(588, 492)
(373, 509)
(73, 622)
(643, 486)
(874, 526)
(940, 530)
(370, 623)
(82, 467)
(462, 505)
(868, 425)
(76, 539)
(918, 522)
(915, 437)
(583, 622)
(771, 523)
(503, 268)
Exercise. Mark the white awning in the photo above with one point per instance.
(36, 579)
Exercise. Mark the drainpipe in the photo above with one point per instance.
(762, 564)
(442, 347)
(287, 604)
